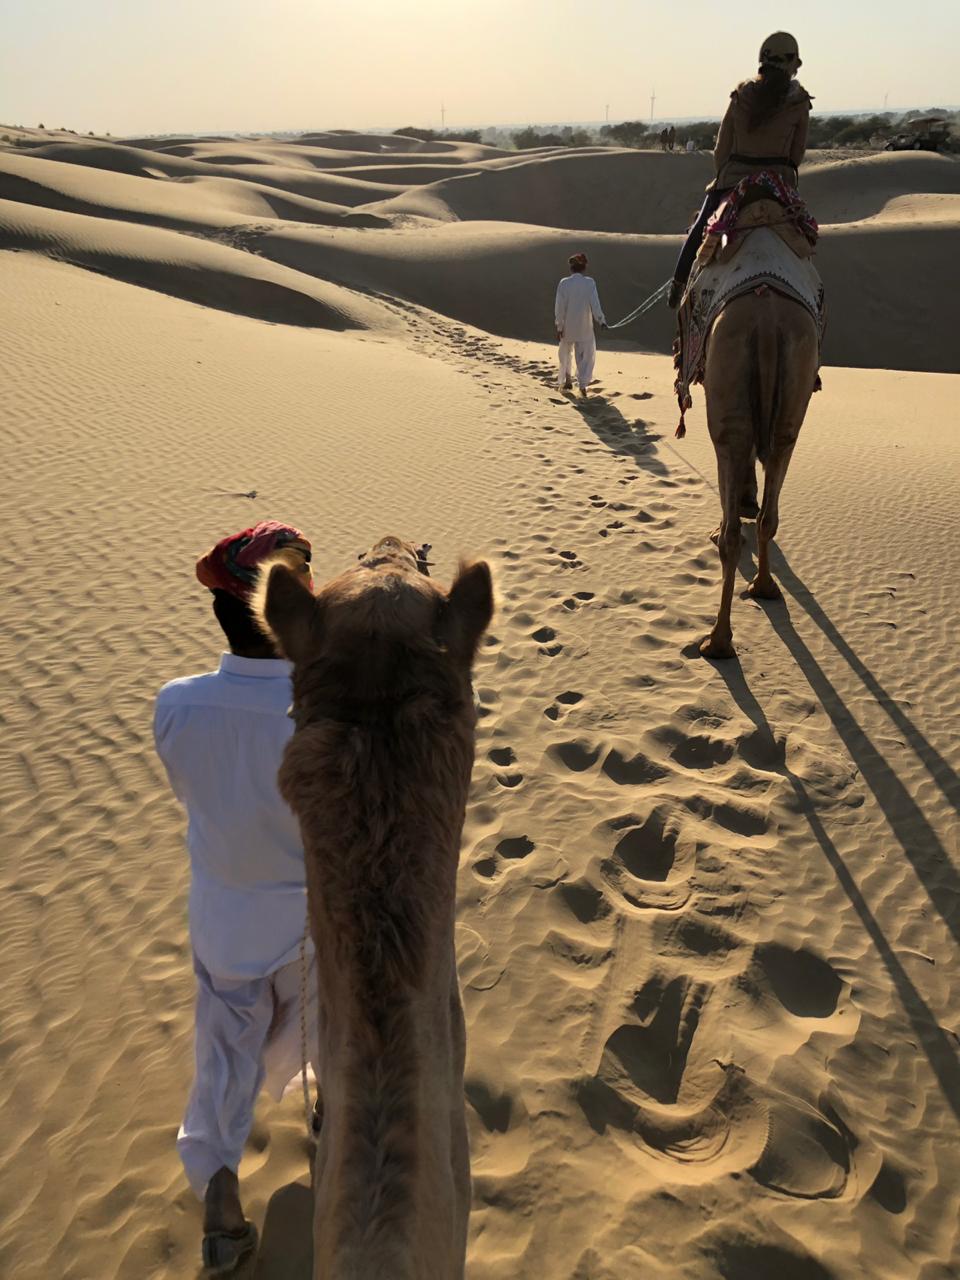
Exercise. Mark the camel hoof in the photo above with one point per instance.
(713, 648)
(764, 590)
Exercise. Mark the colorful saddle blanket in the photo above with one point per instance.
(761, 199)
(763, 260)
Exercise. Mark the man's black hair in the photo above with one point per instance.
(238, 623)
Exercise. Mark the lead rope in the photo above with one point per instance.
(308, 1106)
(644, 306)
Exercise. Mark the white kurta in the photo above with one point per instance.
(576, 308)
(221, 738)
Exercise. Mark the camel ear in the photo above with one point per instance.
(468, 610)
(285, 608)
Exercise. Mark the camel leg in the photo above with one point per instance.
(732, 473)
(763, 586)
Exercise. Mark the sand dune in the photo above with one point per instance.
(501, 277)
(707, 915)
(298, 180)
(188, 204)
(215, 275)
(628, 191)
(655, 193)
(850, 189)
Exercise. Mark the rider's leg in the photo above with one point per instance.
(691, 245)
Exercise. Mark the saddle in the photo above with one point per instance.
(760, 200)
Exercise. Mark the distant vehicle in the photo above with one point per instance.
(925, 135)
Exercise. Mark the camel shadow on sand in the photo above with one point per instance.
(286, 1242)
(919, 842)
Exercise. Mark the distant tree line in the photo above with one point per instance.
(552, 136)
(438, 135)
(643, 135)
(825, 132)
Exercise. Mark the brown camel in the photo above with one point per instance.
(760, 372)
(377, 772)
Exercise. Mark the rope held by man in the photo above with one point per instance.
(643, 308)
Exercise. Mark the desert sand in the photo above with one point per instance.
(708, 913)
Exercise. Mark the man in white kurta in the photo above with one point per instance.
(221, 737)
(576, 308)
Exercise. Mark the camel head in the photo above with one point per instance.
(381, 635)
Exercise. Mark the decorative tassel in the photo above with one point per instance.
(681, 430)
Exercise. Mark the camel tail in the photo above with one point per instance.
(767, 366)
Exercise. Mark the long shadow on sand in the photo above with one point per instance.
(286, 1243)
(920, 843)
(621, 435)
(942, 1055)
(940, 771)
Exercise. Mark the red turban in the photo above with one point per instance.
(232, 564)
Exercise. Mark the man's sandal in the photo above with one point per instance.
(223, 1251)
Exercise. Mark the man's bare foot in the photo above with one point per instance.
(566, 386)
(583, 392)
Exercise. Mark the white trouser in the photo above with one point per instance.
(247, 1037)
(585, 354)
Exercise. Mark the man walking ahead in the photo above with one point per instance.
(576, 308)
(221, 737)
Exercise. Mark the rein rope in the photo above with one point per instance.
(644, 306)
(308, 1106)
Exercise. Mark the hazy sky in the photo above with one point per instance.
(141, 66)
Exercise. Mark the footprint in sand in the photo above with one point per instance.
(632, 771)
(808, 1153)
(516, 847)
(569, 698)
(545, 636)
(568, 559)
(650, 863)
(584, 901)
(652, 1051)
(511, 848)
(738, 1259)
(577, 600)
(803, 983)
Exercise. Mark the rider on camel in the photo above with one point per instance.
(764, 128)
